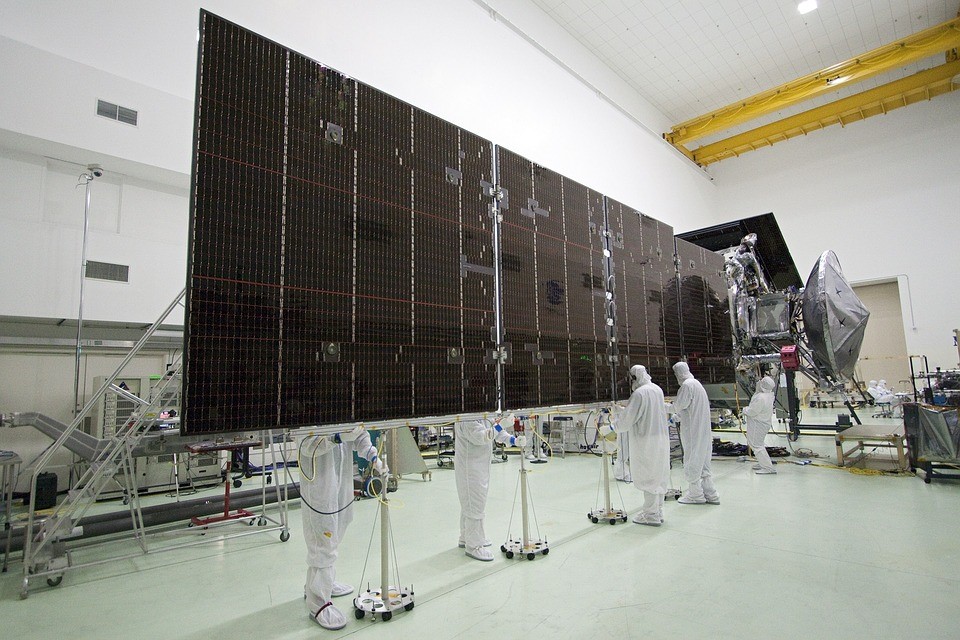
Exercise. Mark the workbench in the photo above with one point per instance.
(877, 435)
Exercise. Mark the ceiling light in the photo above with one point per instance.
(807, 6)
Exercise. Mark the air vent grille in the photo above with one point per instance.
(107, 271)
(116, 112)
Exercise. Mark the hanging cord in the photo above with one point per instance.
(533, 508)
(310, 478)
(366, 558)
(513, 509)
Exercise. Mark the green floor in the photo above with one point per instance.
(813, 552)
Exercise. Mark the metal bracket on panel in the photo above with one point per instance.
(454, 355)
(618, 240)
(334, 133)
(534, 209)
(593, 227)
(331, 352)
(476, 268)
(536, 354)
(453, 176)
(503, 355)
(497, 192)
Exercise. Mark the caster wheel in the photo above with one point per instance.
(613, 521)
(126, 501)
(594, 520)
(189, 524)
(546, 551)
(503, 549)
(408, 606)
(262, 522)
(284, 536)
(358, 614)
(269, 479)
(676, 497)
(386, 615)
(250, 522)
(237, 484)
(531, 556)
(793, 436)
(439, 462)
(509, 555)
(623, 519)
(54, 582)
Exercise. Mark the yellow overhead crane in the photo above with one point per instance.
(944, 37)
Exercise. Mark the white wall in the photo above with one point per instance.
(133, 222)
(884, 194)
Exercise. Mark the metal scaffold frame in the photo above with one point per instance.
(45, 541)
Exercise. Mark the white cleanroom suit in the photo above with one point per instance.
(758, 414)
(693, 408)
(645, 421)
(326, 489)
(471, 463)
(621, 467)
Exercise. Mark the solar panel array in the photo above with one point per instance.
(344, 254)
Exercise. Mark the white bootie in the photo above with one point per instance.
(462, 544)
(687, 500)
(763, 472)
(651, 521)
(329, 617)
(480, 553)
(340, 589)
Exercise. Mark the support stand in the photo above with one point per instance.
(388, 598)
(607, 513)
(524, 546)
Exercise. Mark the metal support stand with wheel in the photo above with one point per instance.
(525, 546)
(607, 513)
(388, 598)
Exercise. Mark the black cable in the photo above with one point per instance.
(315, 510)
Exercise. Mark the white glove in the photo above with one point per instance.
(607, 432)
(503, 437)
(521, 441)
(350, 436)
(380, 465)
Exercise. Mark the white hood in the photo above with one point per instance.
(682, 371)
(766, 384)
(640, 376)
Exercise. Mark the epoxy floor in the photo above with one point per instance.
(812, 552)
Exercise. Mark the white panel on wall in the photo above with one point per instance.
(16, 172)
(133, 222)
(883, 355)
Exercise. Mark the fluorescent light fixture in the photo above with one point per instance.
(807, 6)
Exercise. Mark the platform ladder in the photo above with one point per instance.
(44, 550)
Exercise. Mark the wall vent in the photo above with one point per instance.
(107, 271)
(116, 112)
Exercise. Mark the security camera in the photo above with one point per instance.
(95, 169)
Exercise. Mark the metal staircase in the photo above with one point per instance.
(44, 551)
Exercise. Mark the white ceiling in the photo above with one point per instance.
(689, 57)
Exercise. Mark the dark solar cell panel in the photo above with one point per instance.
(331, 228)
(342, 261)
